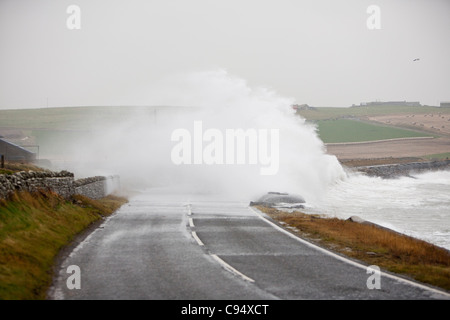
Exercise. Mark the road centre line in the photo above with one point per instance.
(189, 213)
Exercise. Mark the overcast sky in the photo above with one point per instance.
(319, 52)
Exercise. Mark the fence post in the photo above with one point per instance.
(2, 161)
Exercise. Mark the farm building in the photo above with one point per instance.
(13, 152)
(391, 103)
(299, 107)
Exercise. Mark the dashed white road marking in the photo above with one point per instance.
(189, 213)
(191, 223)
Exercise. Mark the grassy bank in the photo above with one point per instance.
(438, 156)
(381, 161)
(12, 167)
(389, 250)
(33, 229)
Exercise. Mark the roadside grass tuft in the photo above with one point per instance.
(33, 229)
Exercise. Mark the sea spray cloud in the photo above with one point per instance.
(140, 147)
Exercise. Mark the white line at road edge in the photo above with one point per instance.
(412, 283)
(194, 234)
(231, 269)
(223, 263)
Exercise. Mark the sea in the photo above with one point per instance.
(417, 205)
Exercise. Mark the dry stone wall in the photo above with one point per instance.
(96, 187)
(62, 183)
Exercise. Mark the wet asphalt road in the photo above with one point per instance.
(166, 246)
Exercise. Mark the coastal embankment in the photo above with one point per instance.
(403, 169)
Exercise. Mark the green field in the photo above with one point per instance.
(338, 125)
(345, 130)
(80, 118)
(51, 127)
(68, 118)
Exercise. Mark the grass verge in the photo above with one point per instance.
(380, 161)
(12, 167)
(33, 230)
(438, 156)
(389, 250)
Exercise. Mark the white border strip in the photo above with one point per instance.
(356, 264)
(231, 269)
(194, 234)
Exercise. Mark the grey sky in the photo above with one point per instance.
(318, 52)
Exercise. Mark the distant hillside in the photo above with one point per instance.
(66, 118)
(327, 113)
(50, 131)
